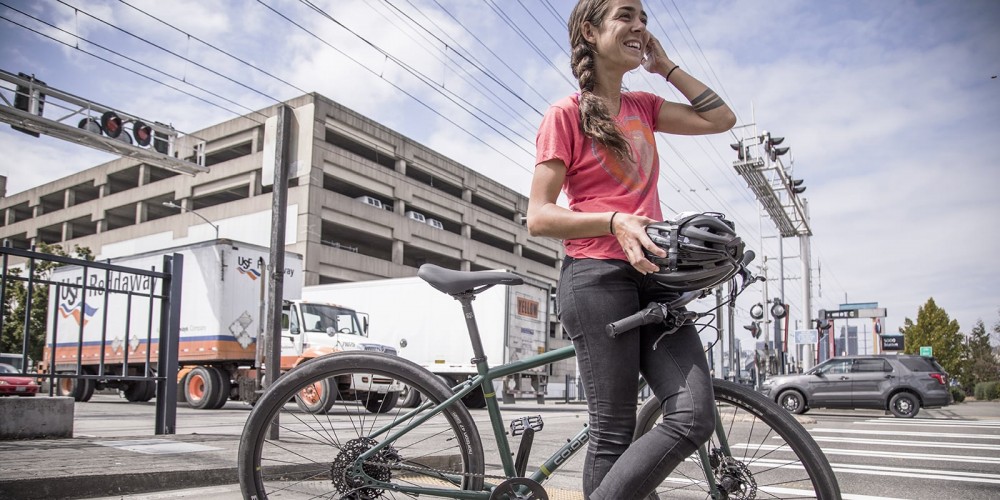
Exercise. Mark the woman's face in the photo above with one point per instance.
(621, 39)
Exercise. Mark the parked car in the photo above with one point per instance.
(11, 384)
(900, 383)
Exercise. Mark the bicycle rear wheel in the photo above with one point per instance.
(770, 454)
(315, 455)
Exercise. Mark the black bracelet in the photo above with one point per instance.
(611, 223)
(671, 71)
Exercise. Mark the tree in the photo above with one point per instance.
(935, 329)
(981, 365)
(16, 299)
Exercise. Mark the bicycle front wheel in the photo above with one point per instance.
(287, 451)
(758, 450)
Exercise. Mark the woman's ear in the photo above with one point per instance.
(589, 32)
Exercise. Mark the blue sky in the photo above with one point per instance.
(890, 109)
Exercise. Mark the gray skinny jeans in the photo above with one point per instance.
(591, 294)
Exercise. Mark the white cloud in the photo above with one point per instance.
(888, 107)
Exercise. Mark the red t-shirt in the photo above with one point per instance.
(598, 181)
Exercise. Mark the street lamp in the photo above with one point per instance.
(202, 217)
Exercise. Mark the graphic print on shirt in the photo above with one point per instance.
(632, 173)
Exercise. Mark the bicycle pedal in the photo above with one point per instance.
(517, 426)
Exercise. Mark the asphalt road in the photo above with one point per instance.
(952, 452)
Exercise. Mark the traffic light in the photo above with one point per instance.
(28, 100)
(770, 148)
(823, 325)
(754, 329)
(741, 152)
(796, 186)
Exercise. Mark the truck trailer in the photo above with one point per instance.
(428, 328)
(222, 313)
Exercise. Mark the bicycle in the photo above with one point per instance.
(435, 449)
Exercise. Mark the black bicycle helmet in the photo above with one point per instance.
(702, 251)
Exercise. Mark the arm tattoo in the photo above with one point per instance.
(708, 100)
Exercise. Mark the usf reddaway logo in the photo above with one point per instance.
(72, 306)
(244, 266)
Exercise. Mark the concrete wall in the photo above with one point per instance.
(36, 417)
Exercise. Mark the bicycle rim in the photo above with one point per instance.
(770, 454)
(316, 454)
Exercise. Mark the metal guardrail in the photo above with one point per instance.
(107, 361)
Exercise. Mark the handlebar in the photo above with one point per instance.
(669, 313)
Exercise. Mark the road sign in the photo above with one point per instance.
(877, 312)
(844, 314)
(859, 305)
(892, 342)
(926, 350)
(806, 336)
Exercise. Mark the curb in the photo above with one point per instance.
(118, 484)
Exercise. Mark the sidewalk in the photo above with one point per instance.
(84, 467)
(114, 451)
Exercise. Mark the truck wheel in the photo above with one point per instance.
(139, 391)
(409, 397)
(79, 389)
(182, 389)
(317, 398)
(202, 388)
(225, 387)
(379, 403)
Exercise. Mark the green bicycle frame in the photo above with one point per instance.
(484, 379)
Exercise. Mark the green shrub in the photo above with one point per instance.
(986, 391)
(958, 394)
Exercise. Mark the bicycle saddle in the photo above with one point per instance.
(455, 282)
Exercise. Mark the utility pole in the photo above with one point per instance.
(759, 163)
(276, 269)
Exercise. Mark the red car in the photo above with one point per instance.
(13, 385)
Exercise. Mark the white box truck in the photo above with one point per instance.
(428, 328)
(222, 311)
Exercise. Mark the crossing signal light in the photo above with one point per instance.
(111, 124)
(29, 101)
(796, 186)
(142, 133)
(754, 329)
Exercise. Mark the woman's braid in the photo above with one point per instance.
(595, 119)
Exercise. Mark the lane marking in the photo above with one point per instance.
(891, 442)
(904, 433)
(884, 454)
(883, 470)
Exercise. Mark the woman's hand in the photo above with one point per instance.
(656, 60)
(630, 230)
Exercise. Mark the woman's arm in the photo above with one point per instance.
(546, 218)
(707, 113)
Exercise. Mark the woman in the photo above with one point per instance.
(598, 146)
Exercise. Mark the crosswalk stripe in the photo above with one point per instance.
(881, 470)
(954, 435)
(965, 424)
(893, 442)
(884, 454)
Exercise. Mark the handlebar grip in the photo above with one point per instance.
(650, 314)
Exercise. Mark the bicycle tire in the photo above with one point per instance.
(757, 466)
(311, 457)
